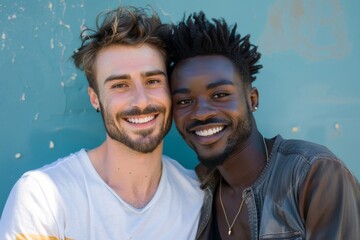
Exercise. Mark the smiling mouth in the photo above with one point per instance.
(140, 120)
(209, 132)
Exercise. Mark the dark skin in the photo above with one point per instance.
(212, 109)
(251, 160)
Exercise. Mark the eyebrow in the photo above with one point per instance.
(154, 73)
(209, 86)
(219, 83)
(180, 91)
(127, 76)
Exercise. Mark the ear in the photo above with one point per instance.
(254, 99)
(94, 99)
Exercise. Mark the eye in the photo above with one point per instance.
(119, 85)
(220, 95)
(184, 102)
(153, 81)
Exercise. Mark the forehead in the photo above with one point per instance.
(204, 69)
(120, 59)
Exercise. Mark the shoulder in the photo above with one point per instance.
(61, 170)
(310, 152)
(48, 184)
(307, 158)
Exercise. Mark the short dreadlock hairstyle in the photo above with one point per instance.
(196, 36)
(121, 26)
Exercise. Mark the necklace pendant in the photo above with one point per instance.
(229, 232)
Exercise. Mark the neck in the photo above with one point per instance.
(132, 175)
(245, 166)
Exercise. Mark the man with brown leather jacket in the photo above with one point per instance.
(256, 188)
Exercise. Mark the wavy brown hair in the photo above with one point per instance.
(122, 26)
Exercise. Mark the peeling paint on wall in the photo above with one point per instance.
(314, 29)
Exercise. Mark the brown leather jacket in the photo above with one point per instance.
(304, 192)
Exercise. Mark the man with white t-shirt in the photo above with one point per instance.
(125, 188)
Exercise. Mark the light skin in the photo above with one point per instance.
(133, 95)
(212, 109)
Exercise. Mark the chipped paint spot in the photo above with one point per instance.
(295, 129)
(18, 155)
(52, 43)
(164, 12)
(13, 58)
(63, 48)
(73, 76)
(12, 17)
(337, 133)
(64, 25)
(50, 6)
(51, 144)
(82, 28)
(36, 116)
(3, 38)
(23, 97)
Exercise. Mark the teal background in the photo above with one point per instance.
(309, 86)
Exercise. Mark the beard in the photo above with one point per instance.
(145, 143)
(241, 132)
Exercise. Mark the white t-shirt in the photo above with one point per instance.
(69, 200)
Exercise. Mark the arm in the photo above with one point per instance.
(28, 214)
(330, 202)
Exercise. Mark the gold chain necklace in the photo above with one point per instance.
(223, 208)
(242, 202)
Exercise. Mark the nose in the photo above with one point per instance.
(140, 98)
(203, 110)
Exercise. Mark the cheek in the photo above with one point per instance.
(167, 103)
(162, 96)
(114, 104)
(178, 117)
(233, 107)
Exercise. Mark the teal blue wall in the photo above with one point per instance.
(309, 86)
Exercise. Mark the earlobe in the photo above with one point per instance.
(254, 99)
(94, 99)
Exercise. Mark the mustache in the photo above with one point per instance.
(135, 111)
(196, 123)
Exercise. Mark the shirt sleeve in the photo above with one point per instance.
(28, 214)
(330, 201)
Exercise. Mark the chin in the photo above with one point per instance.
(211, 161)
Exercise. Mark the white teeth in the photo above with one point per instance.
(141, 120)
(209, 132)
